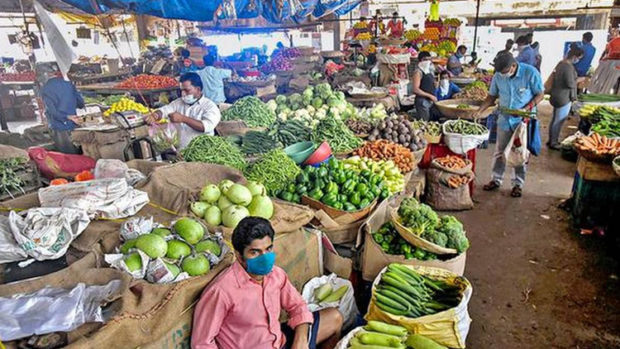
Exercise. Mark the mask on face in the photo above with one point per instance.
(576, 60)
(425, 66)
(189, 99)
(262, 264)
(444, 84)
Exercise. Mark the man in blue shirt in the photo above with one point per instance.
(213, 80)
(61, 100)
(455, 64)
(527, 54)
(589, 50)
(447, 89)
(517, 86)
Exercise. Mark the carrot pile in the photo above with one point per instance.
(457, 181)
(452, 162)
(385, 150)
(598, 145)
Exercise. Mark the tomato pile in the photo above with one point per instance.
(144, 81)
(25, 76)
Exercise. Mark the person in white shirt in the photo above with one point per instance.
(193, 114)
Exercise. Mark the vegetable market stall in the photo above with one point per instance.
(147, 87)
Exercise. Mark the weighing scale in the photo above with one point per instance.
(131, 120)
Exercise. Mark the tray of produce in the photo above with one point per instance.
(598, 148)
(605, 120)
(461, 109)
(431, 130)
(477, 90)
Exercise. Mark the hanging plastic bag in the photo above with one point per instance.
(516, 152)
(165, 136)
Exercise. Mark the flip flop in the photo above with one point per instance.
(516, 192)
(492, 185)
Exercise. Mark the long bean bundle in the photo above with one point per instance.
(252, 111)
(214, 150)
(274, 170)
(340, 138)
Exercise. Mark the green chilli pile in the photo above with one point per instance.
(251, 110)
(214, 150)
(274, 170)
(340, 138)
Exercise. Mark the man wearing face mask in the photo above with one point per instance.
(241, 307)
(527, 54)
(423, 86)
(193, 114)
(455, 62)
(517, 86)
(446, 88)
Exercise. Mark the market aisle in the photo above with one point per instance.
(537, 283)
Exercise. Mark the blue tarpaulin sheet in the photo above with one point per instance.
(204, 10)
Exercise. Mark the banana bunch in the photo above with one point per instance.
(589, 109)
(125, 104)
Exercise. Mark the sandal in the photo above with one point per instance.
(516, 192)
(492, 185)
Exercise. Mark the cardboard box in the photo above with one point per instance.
(596, 171)
(333, 262)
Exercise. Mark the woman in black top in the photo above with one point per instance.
(423, 86)
(563, 92)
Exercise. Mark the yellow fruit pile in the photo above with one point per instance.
(412, 34)
(453, 22)
(125, 104)
(589, 109)
(431, 34)
(363, 36)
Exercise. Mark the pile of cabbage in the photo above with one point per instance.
(313, 105)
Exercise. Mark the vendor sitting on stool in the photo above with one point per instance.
(193, 113)
(241, 307)
(446, 88)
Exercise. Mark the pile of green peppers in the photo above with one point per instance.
(336, 186)
(392, 243)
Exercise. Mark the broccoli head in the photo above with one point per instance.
(436, 237)
(453, 229)
(418, 217)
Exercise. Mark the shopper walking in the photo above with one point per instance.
(589, 50)
(213, 80)
(527, 54)
(563, 92)
(423, 86)
(61, 100)
(517, 86)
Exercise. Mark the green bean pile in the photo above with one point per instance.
(252, 111)
(9, 179)
(274, 170)
(214, 150)
(465, 127)
(340, 138)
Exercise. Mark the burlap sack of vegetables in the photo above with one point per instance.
(173, 187)
(7, 151)
(447, 191)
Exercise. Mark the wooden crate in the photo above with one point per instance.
(596, 171)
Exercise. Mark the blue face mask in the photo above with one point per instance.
(262, 264)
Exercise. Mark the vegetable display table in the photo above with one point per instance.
(595, 203)
(150, 95)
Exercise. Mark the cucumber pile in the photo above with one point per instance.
(404, 292)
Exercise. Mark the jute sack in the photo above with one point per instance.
(102, 145)
(7, 151)
(374, 259)
(442, 197)
(172, 186)
(149, 311)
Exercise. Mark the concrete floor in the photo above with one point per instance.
(537, 282)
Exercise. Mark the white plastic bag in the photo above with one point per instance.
(106, 198)
(53, 310)
(460, 143)
(9, 248)
(113, 168)
(346, 305)
(46, 232)
(516, 152)
(344, 342)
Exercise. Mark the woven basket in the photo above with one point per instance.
(449, 110)
(416, 240)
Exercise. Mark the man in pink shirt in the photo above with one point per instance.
(241, 308)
